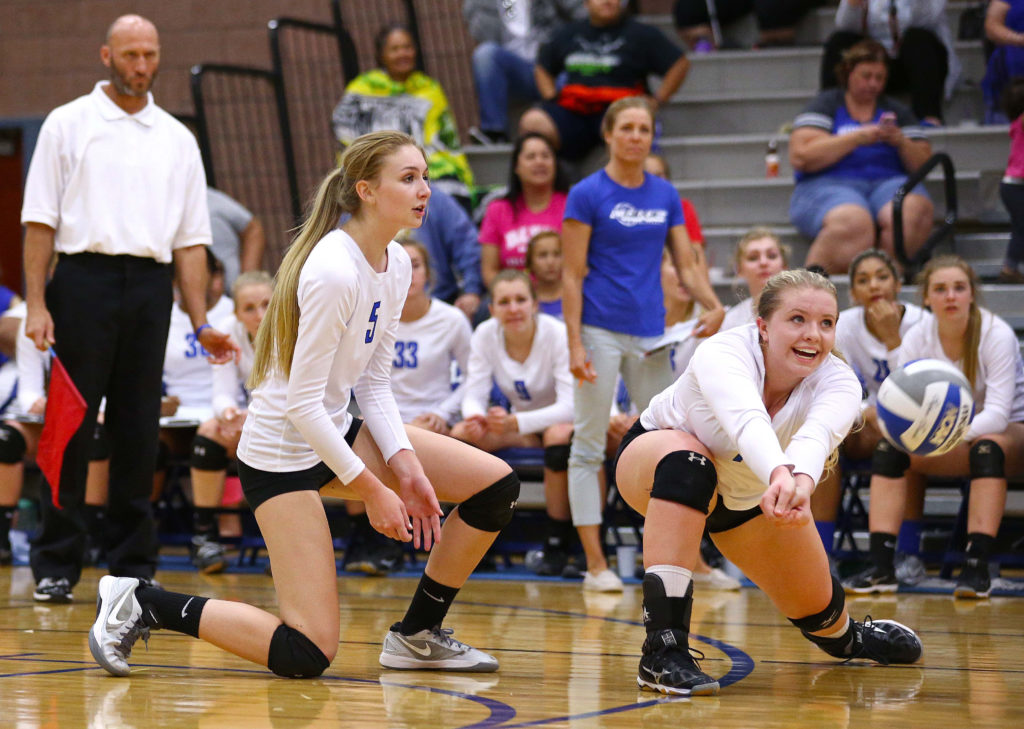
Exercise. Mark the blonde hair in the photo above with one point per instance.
(757, 233)
(251, 278)
(972, 337)
(507, 275)
(361, 160)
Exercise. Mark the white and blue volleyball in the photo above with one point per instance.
(925, 407)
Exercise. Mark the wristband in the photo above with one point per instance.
(200, 328)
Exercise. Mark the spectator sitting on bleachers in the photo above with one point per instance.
(524, 354)
(188, 384)
(869, 335)
(544, 264)
(1011, 189)
(508, 33)
(534, 201)
(759, 255)
(922, 60)
(432, 336)
(25, 395)
(776, 20)
(985, 349)
(606, 57)
(398, 96)
(852, 149)
(1004, 27)
(217, 438)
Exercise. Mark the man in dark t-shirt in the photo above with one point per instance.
(606, 57)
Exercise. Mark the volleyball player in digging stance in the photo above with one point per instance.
(747, 431)
(330, 332)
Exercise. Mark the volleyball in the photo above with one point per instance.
(924, 407)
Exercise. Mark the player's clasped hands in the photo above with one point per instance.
(418, 498)
(787, 500)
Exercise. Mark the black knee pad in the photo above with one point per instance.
(556, 457)
(293, 655)
(827, 617)
(208, 455)
(987, 460)
(12, 444)
(687, 478)
(99, 448)
(490, 509)
(889, 461)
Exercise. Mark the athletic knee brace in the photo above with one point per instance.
(99, 448)
(208, 455)
(888, 460)
(490, 509)
(687, 478)
(827, 617)
(556, 457)
(293, 655)
(12, 444)
(987, 460)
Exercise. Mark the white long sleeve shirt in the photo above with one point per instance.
(867, 355)
(719, 399)
(539, 389)
(421, 371)
(999, 386)
(187, 374)
(348, 315)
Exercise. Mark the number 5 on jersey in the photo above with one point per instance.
(373, 320)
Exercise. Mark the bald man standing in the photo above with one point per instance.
(116, 188)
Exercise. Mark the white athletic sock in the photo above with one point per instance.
(838, 630)
(675, 579)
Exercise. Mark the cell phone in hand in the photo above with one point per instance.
(888, 118)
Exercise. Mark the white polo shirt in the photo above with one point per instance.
(117, 183)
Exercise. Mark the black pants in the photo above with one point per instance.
(919, 70)
(1013, 198)
(110, 315)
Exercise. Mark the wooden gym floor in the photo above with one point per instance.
(567, 659)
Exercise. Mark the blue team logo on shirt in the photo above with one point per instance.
(629, 216)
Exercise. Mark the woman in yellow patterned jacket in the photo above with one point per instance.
(398, 96)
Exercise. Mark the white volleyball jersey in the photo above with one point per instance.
(738, 315)
(421, 371)
(866, 354)
(719, 399)
(348, 315)
(229, 378)
(539, 389)
(999, 386)
(188, 375)
(680, 353)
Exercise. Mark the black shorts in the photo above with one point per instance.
(259, 486)
(721, 518)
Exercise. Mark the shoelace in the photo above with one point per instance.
(867, 627)
(131, 633)
(445, 636)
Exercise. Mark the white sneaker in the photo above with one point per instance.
(603, 581)
(118, 624)
(716, 579)
(433, 649)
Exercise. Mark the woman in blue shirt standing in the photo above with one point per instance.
(617, 223)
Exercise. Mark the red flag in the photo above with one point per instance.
(65, 409)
